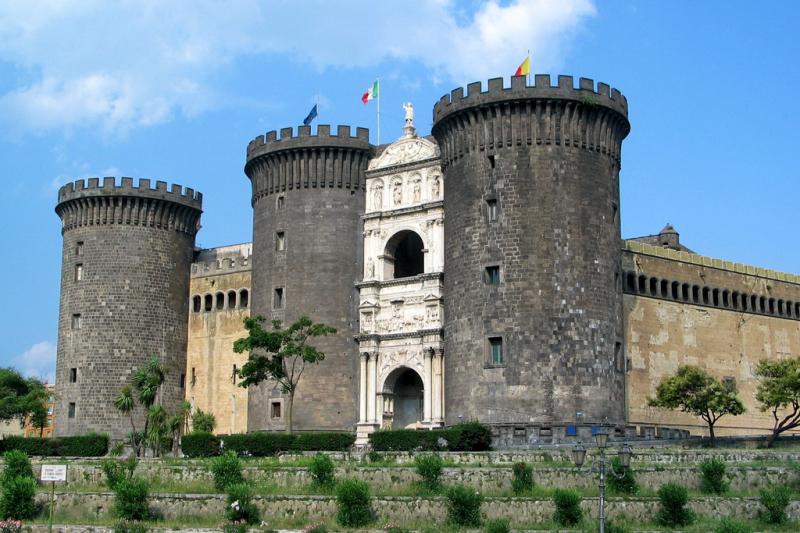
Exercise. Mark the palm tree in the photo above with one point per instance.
(125, 403)
(157, 419)
(147, 380)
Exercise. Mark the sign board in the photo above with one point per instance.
(54, 473)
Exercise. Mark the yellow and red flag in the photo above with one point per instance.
(524, 68)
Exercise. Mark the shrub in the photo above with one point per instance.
(203, 422)
(322, 470)
(227, 471)
(568, 507)
(775, 499)
(389, 528)
(624, 485)
(330, 441)
(469, 437)
(463, 506)
(612, 527)
(200, 445)
(498, 525)
(429, 468)
(353, 503)
(238, 527)
(729, 525)
(262, 444)
(127, 526)
(130, 499)
(89, 445)
(18, 500)
(241, 508)
(523, 478)
(318, 528)
(17, 465)
(673, 511)
(117, 471)
(712, 473)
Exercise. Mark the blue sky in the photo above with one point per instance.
(175, 90)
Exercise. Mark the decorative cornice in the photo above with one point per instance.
(404, 335)
(403, 167)
(403, 210)
(400, 281)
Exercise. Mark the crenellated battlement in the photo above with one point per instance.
(109, 186)
(587, 117)
(95, 203)
(343, 138)
(586, 92)
(280, 163)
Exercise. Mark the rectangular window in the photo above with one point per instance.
(493, 275)
(491, 209)
(76, 321)
(183, 380)
(73, 375)
(280, 241)
(78, 272)
(275, 411)
(491, 161)
(71, 410)
(234, 374)
(79, 248)
(280, 203)
(277, 301)
(194, 377)
(496, 350)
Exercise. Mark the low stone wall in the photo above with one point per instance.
(402, 509)
(742, 478)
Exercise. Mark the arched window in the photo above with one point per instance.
(231, 299)
(244, 296)
(209, 303)
(220, 301)
(735, 300)
(745, 300)
(685, 292)
(653, 287)
(675, 290)
(642, 284)
(715, 296)
(780, 307)
(664, 288)
(762, 304)
(695, 294)
(772, 306)
(789, 309)
(725, 299)
(197, 303)
(706, 292)
(404, 249)
(630, 281)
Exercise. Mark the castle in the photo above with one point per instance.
(478, 273)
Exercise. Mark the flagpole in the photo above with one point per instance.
(379, 110)
(529, 66)
(316, 106)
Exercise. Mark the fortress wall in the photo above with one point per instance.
(210, 359)
(663, 333)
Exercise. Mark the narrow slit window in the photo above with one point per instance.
(234, 374)
(73, 375)
(496, 350)
(78, 272)
(76, 321)
(79, 248)
(277, 300)
(493, 275)
(491, 209)
(491, 161)
(71, 410)
(280, 203)
(280, 241)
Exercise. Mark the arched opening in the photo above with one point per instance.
(404, 387)
(404, 255)
(220, 298)
(231, 299)
(197, 303)
(244, 298)
(208, 303)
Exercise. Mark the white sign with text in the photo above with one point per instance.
(54, 473)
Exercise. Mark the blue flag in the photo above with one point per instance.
(311, 116)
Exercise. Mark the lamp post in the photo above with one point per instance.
(599, 465)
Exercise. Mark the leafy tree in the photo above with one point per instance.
(157, 418)
(20, 397)
(280, 354)
(693, 391)
(203, 422)
(125, 404)
(779, 390)
(146, 381)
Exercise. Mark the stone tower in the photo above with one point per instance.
(124, 295)
(308, 195)
(533, 317)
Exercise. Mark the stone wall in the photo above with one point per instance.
(402, 509)
(210, 363)
(705, 326)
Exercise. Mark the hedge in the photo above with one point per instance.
(89, 445)
(264, 444)
(464, 437)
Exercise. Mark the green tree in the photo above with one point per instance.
(157, 419)
(779, 393)
(125, 404)
(203, 422)
(280, 354)
(20, 397)
(693, 391)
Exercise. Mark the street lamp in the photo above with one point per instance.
(599, 465)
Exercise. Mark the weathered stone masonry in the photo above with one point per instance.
(124, 295)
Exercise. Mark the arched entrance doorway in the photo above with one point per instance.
(404, 387)
(404, 250)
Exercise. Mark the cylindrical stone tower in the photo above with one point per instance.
(308, 196)
(124, 296)
(532, 294)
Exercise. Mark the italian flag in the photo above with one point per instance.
(371, 93)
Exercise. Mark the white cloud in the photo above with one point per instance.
(125, 64)
(39, 361)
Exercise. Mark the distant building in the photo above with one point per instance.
(29, 430)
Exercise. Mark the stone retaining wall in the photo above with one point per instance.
(401, 509)
(742, 478)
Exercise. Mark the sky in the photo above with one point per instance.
(174, 91)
